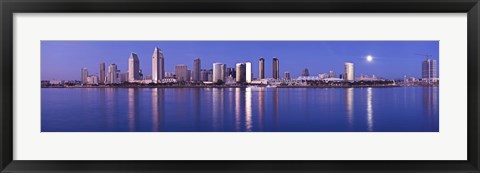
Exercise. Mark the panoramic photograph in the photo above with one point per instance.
(239, 86)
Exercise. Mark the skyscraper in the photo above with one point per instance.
(241, 73)
(349, 72)
(112, 74)
(305, 72)
(181, 72)
(133, 67)
(84, 75)
(218, 72)
(286, 75)
(158, 66)
(429, 71)
(275, 68)
(248, 72)
(102, 73)
(261, 68)
(196, 70)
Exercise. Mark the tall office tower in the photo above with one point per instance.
(275, 68)
(218, 72)
(349, 72)
(305, 72)
(429, 70)
(261, 68)
(102, 73)
(241, 73)
(248, 72)
(133, 67)
(181, 72)
(196, 70)
(286, 75)
(158, 65)
(84, 75)
(112, 74)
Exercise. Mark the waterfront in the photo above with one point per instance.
(255, 109)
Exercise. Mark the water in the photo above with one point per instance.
(396, 109)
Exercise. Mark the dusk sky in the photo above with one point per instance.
(63, 60)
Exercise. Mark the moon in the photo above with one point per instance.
(369, 58)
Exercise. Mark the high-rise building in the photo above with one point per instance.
(349, 72)
(158, 65)
(261, 68)
(241, 72)
(275, 68)
(102, 78)
(305, 72)
(248, 72)
(181, 72)
(218, 72)
(429, 71)
(84, 75)
(286, 75)
(112, 74)
(133, 67)
(196, 70)
(203, 75)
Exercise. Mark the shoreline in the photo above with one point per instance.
(246, 86)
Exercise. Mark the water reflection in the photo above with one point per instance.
(131, 109)
(349, 105)
(369, 110)
(240, 109)
(237, 109)
(248, 109)
(261, 107)
(110, 106)
(218, 108)
(275, 107)
(157, 108)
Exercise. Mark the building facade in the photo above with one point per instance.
(429, 71)
(349, 72)
(102, 78)
(196, 70)
(84, 76)
(181, 72)
(248, 72)
(158, 65)
(112, 74)
(261, 68)
(241, 73)
(305, 72)
(275, 68)
(133, 67)
(286, 75)
(218, 72)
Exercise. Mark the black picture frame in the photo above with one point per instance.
(9, 7)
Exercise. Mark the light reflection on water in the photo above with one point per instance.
(240, 109)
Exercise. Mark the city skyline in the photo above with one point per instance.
(366, 64)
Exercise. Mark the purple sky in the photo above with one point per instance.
(391, 59)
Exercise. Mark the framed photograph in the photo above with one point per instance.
(239, 86)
